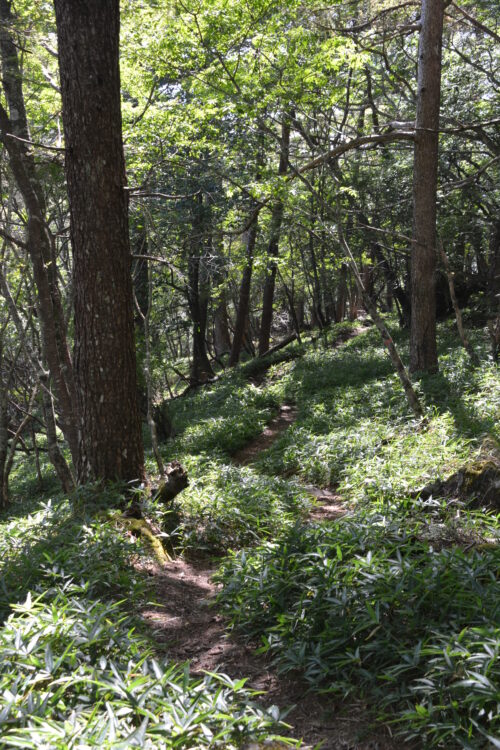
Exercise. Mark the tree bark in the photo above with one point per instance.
(458, 313)
(393, 353)
(39, 241)
(494, 289)
(110, 438)
(4, 436)
(197, 294)
(423, 348)
(273, 247)
(244, 296)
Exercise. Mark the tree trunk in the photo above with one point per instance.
(341, 294)
(494, 289)
(273, 247)
(222, 340)
(423, 348)
(39, 242)
(244, 296)
(56, 457)
(110, 436)
(4, 437)
(197, 294)
(393, 353)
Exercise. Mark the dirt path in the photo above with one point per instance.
(189, 629)
(287, 416)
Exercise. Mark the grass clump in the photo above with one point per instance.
(223, 416)
(355, 430)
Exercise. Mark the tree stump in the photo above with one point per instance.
(174, 481)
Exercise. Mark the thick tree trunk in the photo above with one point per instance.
(244, 297)
(423, 349)
(222, 339)
(110, 438)
(273, 247)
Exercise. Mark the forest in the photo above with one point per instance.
(249, 374)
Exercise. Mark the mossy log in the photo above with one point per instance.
(140, 527)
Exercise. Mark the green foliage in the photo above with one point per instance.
(228, 507)
(367, 605)
(224, 416)
(354, 428)
(75, 672)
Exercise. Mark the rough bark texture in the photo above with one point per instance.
(110, 440)
(423, 349)
(273, 247)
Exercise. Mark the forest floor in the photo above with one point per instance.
(333, 558)
(186, 624)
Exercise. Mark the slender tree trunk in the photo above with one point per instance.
(458, 313)
(341, 294)
(197, 294)
(110, 436)
(39, 242)
(244, 297)
(273, 247)
(146, 317)
(393, 353)
(494, 289)
(57, 458)
(4, 436)
(423, 348)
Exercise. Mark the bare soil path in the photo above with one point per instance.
(187, 626)
(280, 423)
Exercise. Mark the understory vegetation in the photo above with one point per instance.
(396, 603)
